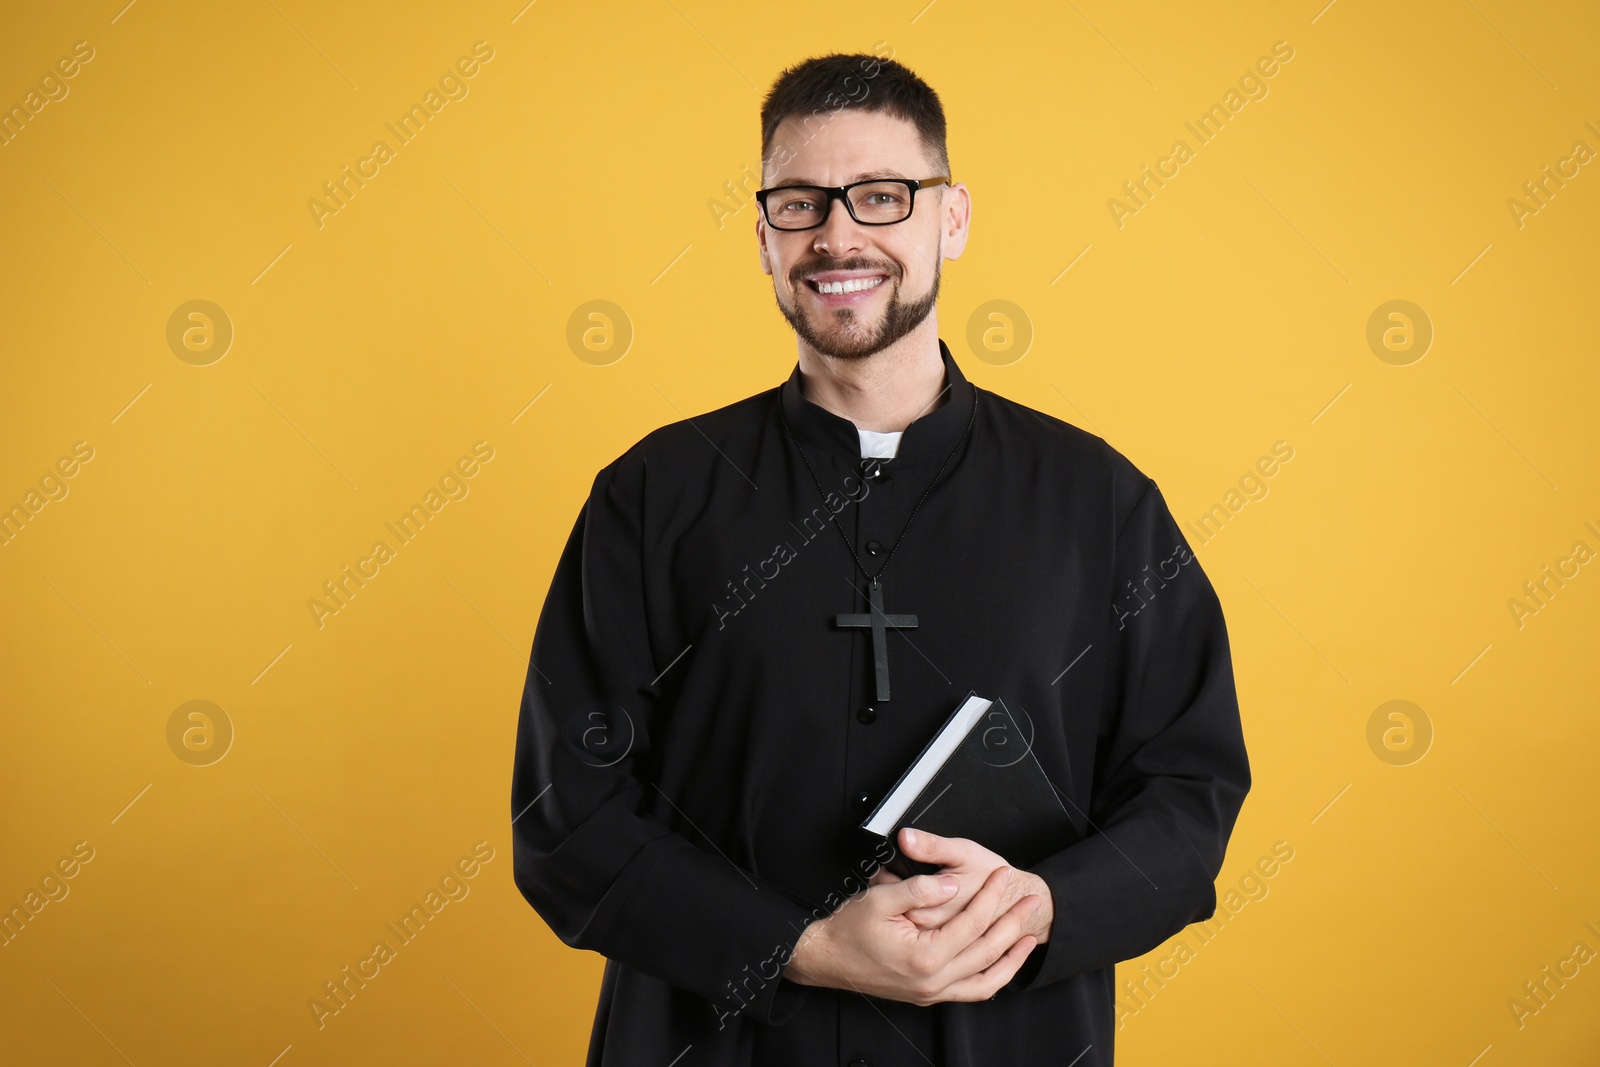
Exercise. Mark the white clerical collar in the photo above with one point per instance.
(879, 445)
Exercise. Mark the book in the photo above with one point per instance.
(977, 777)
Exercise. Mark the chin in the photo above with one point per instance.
(842, 334)
(841, 340)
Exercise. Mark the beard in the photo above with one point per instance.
(841, 332)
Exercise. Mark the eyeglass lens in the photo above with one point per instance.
(801, 207)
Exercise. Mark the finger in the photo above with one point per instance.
(987, 982)
(928, 919)
(980, 912)
(1001, 936)
(883, 876)
(936, 916)
(929, 848)
(941, 913)
(919, 891)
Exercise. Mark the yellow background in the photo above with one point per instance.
(369, 354)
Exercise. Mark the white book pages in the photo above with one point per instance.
(929, 765)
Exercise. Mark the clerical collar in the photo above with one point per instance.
(875, 445)
(934, 433)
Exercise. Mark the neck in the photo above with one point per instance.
(885, 392)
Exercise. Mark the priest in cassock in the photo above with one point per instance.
(762, 615)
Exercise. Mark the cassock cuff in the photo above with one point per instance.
(781, 1000)
(1106, 910)
(699, 922)
(775, 1002)
(781, 1005)
(1027, 975)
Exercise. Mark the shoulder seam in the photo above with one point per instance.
(1149, 484)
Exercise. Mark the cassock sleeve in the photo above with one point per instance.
(603, 876)
(1171, 771)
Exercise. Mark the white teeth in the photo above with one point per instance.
(852, 285)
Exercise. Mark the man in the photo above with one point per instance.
(762, 615)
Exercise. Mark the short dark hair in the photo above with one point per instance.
(824, 85)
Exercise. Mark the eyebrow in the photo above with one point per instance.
(865, 175)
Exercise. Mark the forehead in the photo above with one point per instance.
(839, 147)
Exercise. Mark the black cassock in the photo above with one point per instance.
(699, 739)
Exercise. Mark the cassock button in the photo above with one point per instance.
(860, 1063)
(862, 800)
(867, 716)
(874, 548)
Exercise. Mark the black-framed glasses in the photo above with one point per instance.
(874, 202)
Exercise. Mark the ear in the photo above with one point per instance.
(761, 242)
(955, 220)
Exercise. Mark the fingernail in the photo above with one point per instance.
(911, 836)
(948, 883)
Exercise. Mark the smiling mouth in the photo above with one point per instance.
(849, 285)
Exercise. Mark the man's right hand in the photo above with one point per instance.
(869, 945)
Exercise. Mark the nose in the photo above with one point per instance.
(839, 234)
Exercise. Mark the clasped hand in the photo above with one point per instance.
(960, 934)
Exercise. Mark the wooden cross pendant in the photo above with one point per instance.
(880, 625)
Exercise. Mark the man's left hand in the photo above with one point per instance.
(971, 864)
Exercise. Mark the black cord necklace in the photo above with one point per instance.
(875, 619)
